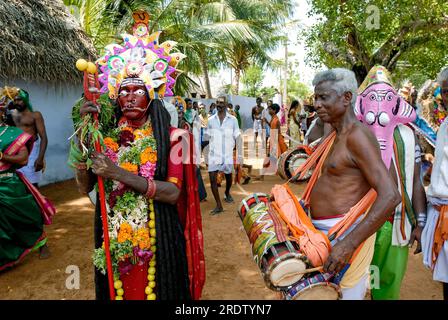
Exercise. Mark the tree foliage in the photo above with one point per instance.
(410, 37)
(252, 80)
(297, 89)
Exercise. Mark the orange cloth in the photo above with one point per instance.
(441, 231)
(282, 147)
(312, 242)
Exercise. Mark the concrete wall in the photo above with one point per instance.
(55, 103)
(246, 105)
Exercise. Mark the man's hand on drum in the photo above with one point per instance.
(339, 257)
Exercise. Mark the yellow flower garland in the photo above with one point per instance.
(146, 240)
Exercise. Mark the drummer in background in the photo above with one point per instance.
(352, 168)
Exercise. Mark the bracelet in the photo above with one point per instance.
(421, 219)
(81, 166)
(151, 189)
(1, 155)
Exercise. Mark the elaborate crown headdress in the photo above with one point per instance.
(378, 74)
(9, 93)
(141, 56)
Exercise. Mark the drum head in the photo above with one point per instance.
(287, 272)
(250, 202)
(295, 162)
(319, 291)
(283, 164)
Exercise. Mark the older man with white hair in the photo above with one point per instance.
(435, 233)
(353, 194)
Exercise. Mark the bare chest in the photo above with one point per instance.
(339, 160)
(27, 123)
(26, 120)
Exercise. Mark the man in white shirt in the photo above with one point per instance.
(224, 135)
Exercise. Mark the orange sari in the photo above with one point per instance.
(281, 146)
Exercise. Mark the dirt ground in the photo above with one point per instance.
(231, 272)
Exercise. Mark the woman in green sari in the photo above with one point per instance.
(21, 221)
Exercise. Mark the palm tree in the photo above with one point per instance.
(201, 28)
(265, 17)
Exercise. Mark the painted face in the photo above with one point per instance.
(328, 104)
(134, 101)
(382, 109)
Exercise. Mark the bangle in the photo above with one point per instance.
(81, 166)
(421, 219)
(151, 189)
(1, 155)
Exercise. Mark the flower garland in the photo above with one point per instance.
(132, 231)
(440, 113)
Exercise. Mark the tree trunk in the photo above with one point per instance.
(236, 86)
(205, 74)
(360, 73)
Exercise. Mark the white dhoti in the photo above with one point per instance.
(440, 272)
(356, 279)
(257, 126)
(222, 167)
(28, 170)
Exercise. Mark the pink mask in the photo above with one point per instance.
(382, 109)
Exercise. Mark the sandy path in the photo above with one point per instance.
(231, 272)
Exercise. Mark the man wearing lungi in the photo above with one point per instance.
(225, 136)
(435, 233)
(32, 123)
(257, 119)
(351, 177)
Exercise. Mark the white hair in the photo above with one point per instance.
(343, 81)
(442, 76)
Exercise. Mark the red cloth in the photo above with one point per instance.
(188, 206)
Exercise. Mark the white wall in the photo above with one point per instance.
(246, 105)
(55, 104)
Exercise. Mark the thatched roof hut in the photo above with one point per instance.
(41, 41)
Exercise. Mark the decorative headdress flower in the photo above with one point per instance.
(140, 59)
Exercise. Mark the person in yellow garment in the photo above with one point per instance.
(351, 172)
